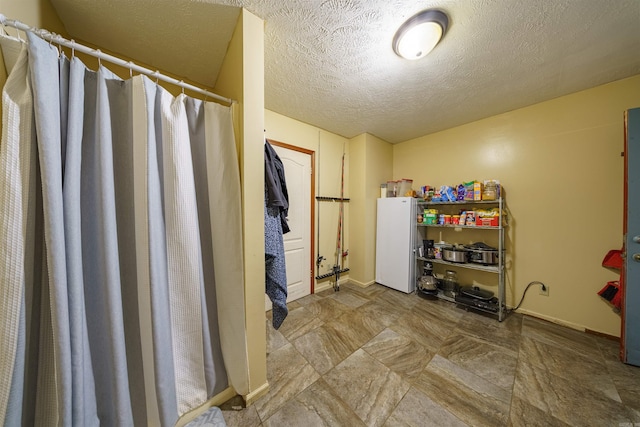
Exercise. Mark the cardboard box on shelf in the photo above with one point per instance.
(477, 191)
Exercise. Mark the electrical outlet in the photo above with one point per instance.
(544, 291)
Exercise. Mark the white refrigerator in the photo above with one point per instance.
(396, 243)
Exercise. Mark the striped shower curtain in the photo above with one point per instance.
(117, 200)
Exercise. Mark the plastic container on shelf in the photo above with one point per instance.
(490, 191)
(383, 190)
(404, 187)
(392, 186)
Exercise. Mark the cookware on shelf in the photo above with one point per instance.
(481, 253)
(455, 254)
(476, 292)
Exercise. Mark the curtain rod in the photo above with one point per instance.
(73, 45)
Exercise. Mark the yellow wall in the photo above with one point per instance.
(560, 164)
(328, 148)
(35, 13)
(357, 208)
(242, 78)
(371, 164)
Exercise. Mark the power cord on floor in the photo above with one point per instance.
(535, 282)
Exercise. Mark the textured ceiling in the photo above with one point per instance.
(329, 63)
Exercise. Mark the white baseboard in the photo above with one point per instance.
(552, 319)
(362, 284)
(256, 394)
(329, 284)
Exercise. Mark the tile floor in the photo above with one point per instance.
(377, 357)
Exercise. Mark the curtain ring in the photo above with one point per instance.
(182, 86)
(130, 64)
(59, 43)
(73, 48)
(157, 74)
(99, 59)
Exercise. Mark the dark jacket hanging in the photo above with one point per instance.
(276, 206)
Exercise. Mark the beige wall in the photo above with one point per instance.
(242, 78)
(560, 164)
(357, 208)
(328, 148)
(35, 13)
(371, 164)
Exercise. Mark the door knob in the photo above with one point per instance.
(636, 257)
(636, 239)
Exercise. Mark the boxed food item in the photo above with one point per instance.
(488, 217)
(468, 190)
(471, 218)
(488, 221)
(477, 191)
(430, 216)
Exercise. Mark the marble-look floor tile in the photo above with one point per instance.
(370, 292)
(291, 305)
(560, 336)
(327, 308)
(569, 400)
(382, 312)
(570, 365)
(610, 348)
(326, 292)
(505, 334)
(366, 338)
(356, 327)
(399, 353)
(417, 409)
(469, 397)
(299, 322)
(627, 381)
(308, 299)
(398, 300)
(430, 332)
(349, 298)
(247, 417)
(525, 415)
(493, 363)
(371, 389)
(275, 339)
(317, 406)
(288, 374)
(325, 347)
(439, 309)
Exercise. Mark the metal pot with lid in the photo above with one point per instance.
(481, 253)
(455, 254)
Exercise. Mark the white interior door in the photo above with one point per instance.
(297, 242)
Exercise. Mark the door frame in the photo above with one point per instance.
(312, 203)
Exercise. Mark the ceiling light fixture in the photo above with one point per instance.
(420, 34)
